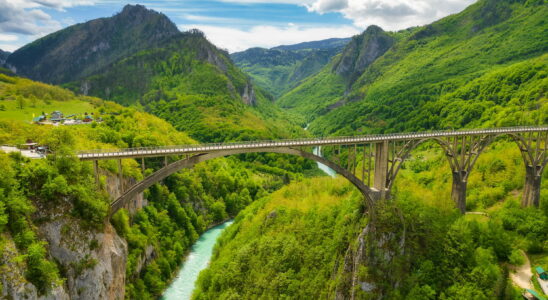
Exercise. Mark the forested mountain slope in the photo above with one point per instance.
(139, 57)
(281, 68)
(84, 49)
(444, 75)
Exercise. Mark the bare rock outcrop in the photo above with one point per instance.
(362, 51)
(13, 284)
(248, 96)
(95, 261)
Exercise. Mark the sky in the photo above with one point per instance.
(234, 25)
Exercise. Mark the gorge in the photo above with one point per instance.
(394, 164)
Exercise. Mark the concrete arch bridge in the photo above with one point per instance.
(382, 157)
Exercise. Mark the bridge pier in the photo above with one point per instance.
(96, 170)
(381, 171)
(531, 189)
(458, 191)
(534, 150)
(120, 176)
(462, 153)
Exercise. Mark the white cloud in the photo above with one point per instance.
(390, 14)
(297, 2)
(61, 4)
(9, 47)
(7, 37)
(24, 17)
(269, 36)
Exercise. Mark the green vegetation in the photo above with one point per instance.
(322, 92)
(458, 72)
(179, 210)
(294, 237)
(444, 255)
(468, 70)
(280, 69)
(86, 48)
(194, 86)
(285, 245)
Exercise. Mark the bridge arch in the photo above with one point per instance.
(462, 152)
(189, 163)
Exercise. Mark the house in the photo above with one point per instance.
(532, 295)
(56, 116)
(29, 145)
(87, 119)
(42, 150)
(541, 273)
(39, 119)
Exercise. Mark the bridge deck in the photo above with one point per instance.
(201, 148)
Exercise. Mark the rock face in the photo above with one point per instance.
(362, 51)
(3, 57)
(378, 246)
(95, 262)
(248, 96)
(114, 188)
(83, 49)
(12, 278)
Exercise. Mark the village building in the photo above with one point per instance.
(56, 116)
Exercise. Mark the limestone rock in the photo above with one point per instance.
(362, 51)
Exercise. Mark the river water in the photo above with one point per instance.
(181, 288)
(318, 151)
(326, 169)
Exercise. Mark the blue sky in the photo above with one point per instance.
(231, 24)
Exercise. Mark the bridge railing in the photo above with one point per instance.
(319, 140)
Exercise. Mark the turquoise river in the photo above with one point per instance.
(181, 288)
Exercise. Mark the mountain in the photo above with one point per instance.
(281, 68)
(476, 65)
(84, 49)
(3, 56)
(337, 43)
(139, 57)
(361, 52)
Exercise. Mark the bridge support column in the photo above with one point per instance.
(458, 191)
(120, 176)
(462, 153)
(534, 150)
(96, 169)
(531, 189)
(381, 170)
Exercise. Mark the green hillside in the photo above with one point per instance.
(280, 69)
(429, 79)
(193, 85)
(295, 243)
(139, 58)
(483, 67)
(84, 49)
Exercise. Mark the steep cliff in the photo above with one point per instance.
(361, 52)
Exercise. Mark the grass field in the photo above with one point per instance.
(12, 112)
